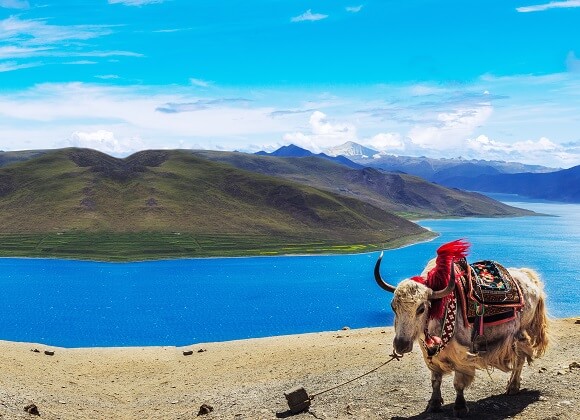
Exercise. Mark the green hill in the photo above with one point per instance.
(406, 195)
(82, 203)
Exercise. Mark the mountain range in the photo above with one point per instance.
(533, 181)
(403, 194)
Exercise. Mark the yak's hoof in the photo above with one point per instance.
(460, 411)
(434, 405)
(512, 391)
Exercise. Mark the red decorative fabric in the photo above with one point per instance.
(438, 277)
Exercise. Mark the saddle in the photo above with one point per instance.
(487, 291)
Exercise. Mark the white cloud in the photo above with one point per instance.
(14, 4)
(199, 82)
(107, 76)
(450, 128)
(135, 2)
(6, 66)
(527, 151)
(354, 9)
(35, 32)
(23, 39)
(41, 116)
(387, 142)
(551, 5)
(322, 133)
(572, 63)
(81, 62)
(445, 123)
(13, 51)
(105, 141)
(308, 16)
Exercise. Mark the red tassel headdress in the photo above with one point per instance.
(438, 277)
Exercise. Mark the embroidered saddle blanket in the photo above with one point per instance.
(487, 289)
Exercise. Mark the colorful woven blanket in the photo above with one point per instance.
(487, 289)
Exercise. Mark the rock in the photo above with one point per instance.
(205, 409)
(345, 328)
(201, 350)
(561, 372)
(542, 370)
(187, 352)
(32, 409)
(577, 321)
(49, 352)
(35, 350)
(574, 365)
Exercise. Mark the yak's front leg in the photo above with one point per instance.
(460, 382)
(436, 400)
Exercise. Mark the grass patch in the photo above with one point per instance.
(160, 245)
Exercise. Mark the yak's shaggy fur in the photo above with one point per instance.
(509, 345)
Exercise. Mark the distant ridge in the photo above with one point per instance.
(401, 193)
(439, 170)
(298, 152)
(8, 158)
(561, 185)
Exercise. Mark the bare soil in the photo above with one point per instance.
(247, 380)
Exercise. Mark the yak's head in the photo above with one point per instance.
(419, 298)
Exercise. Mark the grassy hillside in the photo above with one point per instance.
(407, 195)
(82, 203)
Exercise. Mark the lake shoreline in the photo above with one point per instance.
(247, 379)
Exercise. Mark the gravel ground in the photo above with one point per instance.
(247, 379)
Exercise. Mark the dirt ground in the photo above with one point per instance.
(247, 379)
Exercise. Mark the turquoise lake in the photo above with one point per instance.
(179, 302)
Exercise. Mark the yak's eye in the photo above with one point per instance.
(421, 309)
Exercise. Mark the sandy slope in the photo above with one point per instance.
(246, 380)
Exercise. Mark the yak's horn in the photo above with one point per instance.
(383, 284)
(440, 294)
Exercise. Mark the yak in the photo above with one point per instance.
(422, 305)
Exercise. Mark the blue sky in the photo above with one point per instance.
(486, 80)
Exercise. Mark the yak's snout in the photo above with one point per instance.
(402, 345)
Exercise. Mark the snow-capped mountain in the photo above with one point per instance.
(350, 149)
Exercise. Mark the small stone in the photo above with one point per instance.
(61, 402)
(577, 321)
(542, 370)
(345, 328)
(49, 352)
(187, 352)
(35, 350)
(349, 410)
(574, 365)
(205, 409)
(560, 372)
(32, 409)
(201, 350)
(542, 398)
(175, 402)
